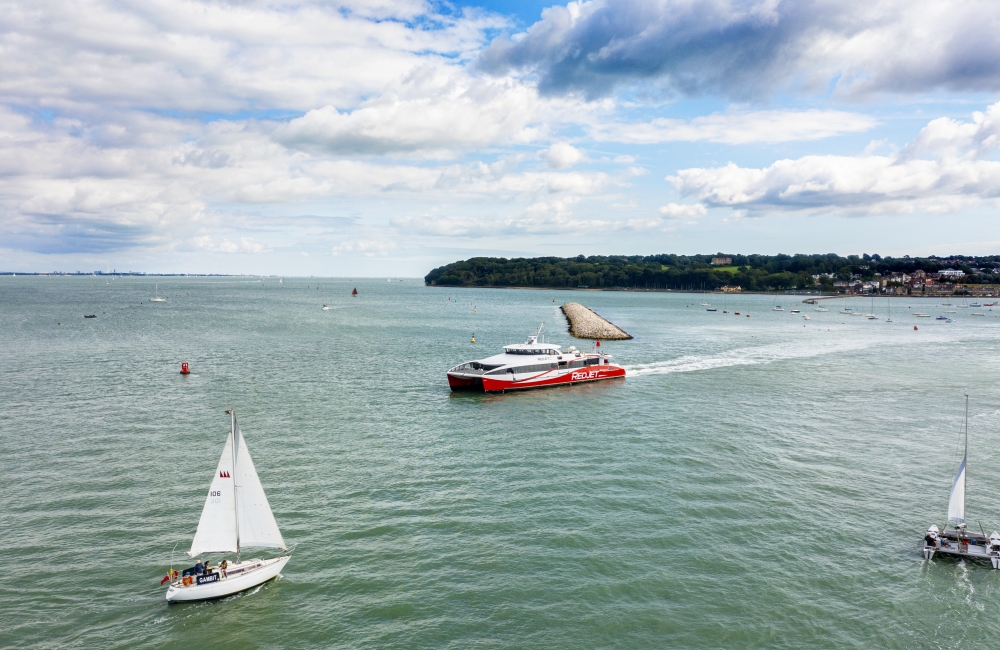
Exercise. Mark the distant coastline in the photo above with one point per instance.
(821, 274)
(136, 274)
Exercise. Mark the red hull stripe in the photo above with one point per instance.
(541, 380)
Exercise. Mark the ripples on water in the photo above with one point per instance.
(753, 482)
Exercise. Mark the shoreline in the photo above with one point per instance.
(808, 295)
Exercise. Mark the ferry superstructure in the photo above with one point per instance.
(533, 364)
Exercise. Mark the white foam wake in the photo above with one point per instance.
(748, 356)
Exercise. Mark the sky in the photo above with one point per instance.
(389, 137)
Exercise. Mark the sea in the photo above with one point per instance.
(757, 480)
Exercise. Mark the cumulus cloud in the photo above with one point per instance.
(562, 155)
(943, 169)
(190, 55)
(435, 110)
(741, 49)
(738, 127)
(680, 211)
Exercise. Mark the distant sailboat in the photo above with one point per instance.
(236, 516)
(157, 298)
(354, 291)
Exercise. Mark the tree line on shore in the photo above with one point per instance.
(697, 272)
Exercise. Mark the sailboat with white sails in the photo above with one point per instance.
(157, 297)
(236, 516)
(958, 540)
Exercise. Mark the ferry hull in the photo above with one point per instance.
(228, 586)
(460, 382)
(545, 380)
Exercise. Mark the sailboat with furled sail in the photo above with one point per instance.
(958, 540)
(236, 517)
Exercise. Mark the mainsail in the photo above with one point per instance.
(236, 513)
(217, 526)
(956, 502)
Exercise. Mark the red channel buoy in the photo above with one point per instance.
(184, 368)
(914, 327)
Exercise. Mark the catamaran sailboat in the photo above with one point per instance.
(157, 298)
(958, 541)
(236, 516)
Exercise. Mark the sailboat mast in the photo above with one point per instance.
(965, 461)
(236, 506)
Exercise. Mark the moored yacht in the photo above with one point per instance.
(533, 364)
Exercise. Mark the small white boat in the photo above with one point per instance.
(977, 313)
(711, 309)
(872, 317)
(236, 516)
(975, 304)
(794, 311)
(921, 315)
(326, 308)
(946, 304)
(847, 310)
(705, 304)
(777, 308)
(806, 316)
(821, 309)
(958, 541)
(157, 298)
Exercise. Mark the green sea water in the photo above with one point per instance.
(753, 482)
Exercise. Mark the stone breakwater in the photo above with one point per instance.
(585, 324)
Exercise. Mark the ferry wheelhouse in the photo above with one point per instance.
(533, 364)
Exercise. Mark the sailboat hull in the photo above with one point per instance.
(232, 584)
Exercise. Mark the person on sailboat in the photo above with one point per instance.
(931, 539)
(222, 568)
(199, 568)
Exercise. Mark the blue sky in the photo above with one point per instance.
(389, 137)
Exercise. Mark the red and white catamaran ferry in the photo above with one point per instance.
(533, 365)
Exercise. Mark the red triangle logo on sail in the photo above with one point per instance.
(224, 474)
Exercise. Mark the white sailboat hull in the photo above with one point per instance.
(177, 593)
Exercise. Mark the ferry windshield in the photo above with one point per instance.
(530, 351)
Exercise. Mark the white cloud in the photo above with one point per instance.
(242, 245)
(435, 110)
(738, 127)
(955, 175)
(553, 217)
(562, 155)
(207, 56)
(366, 247)
(679, 211)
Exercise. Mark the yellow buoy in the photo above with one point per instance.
(473, 338)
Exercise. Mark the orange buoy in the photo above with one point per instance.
(184, 368)
(914, 327)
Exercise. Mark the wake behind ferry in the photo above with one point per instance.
(533, 364)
